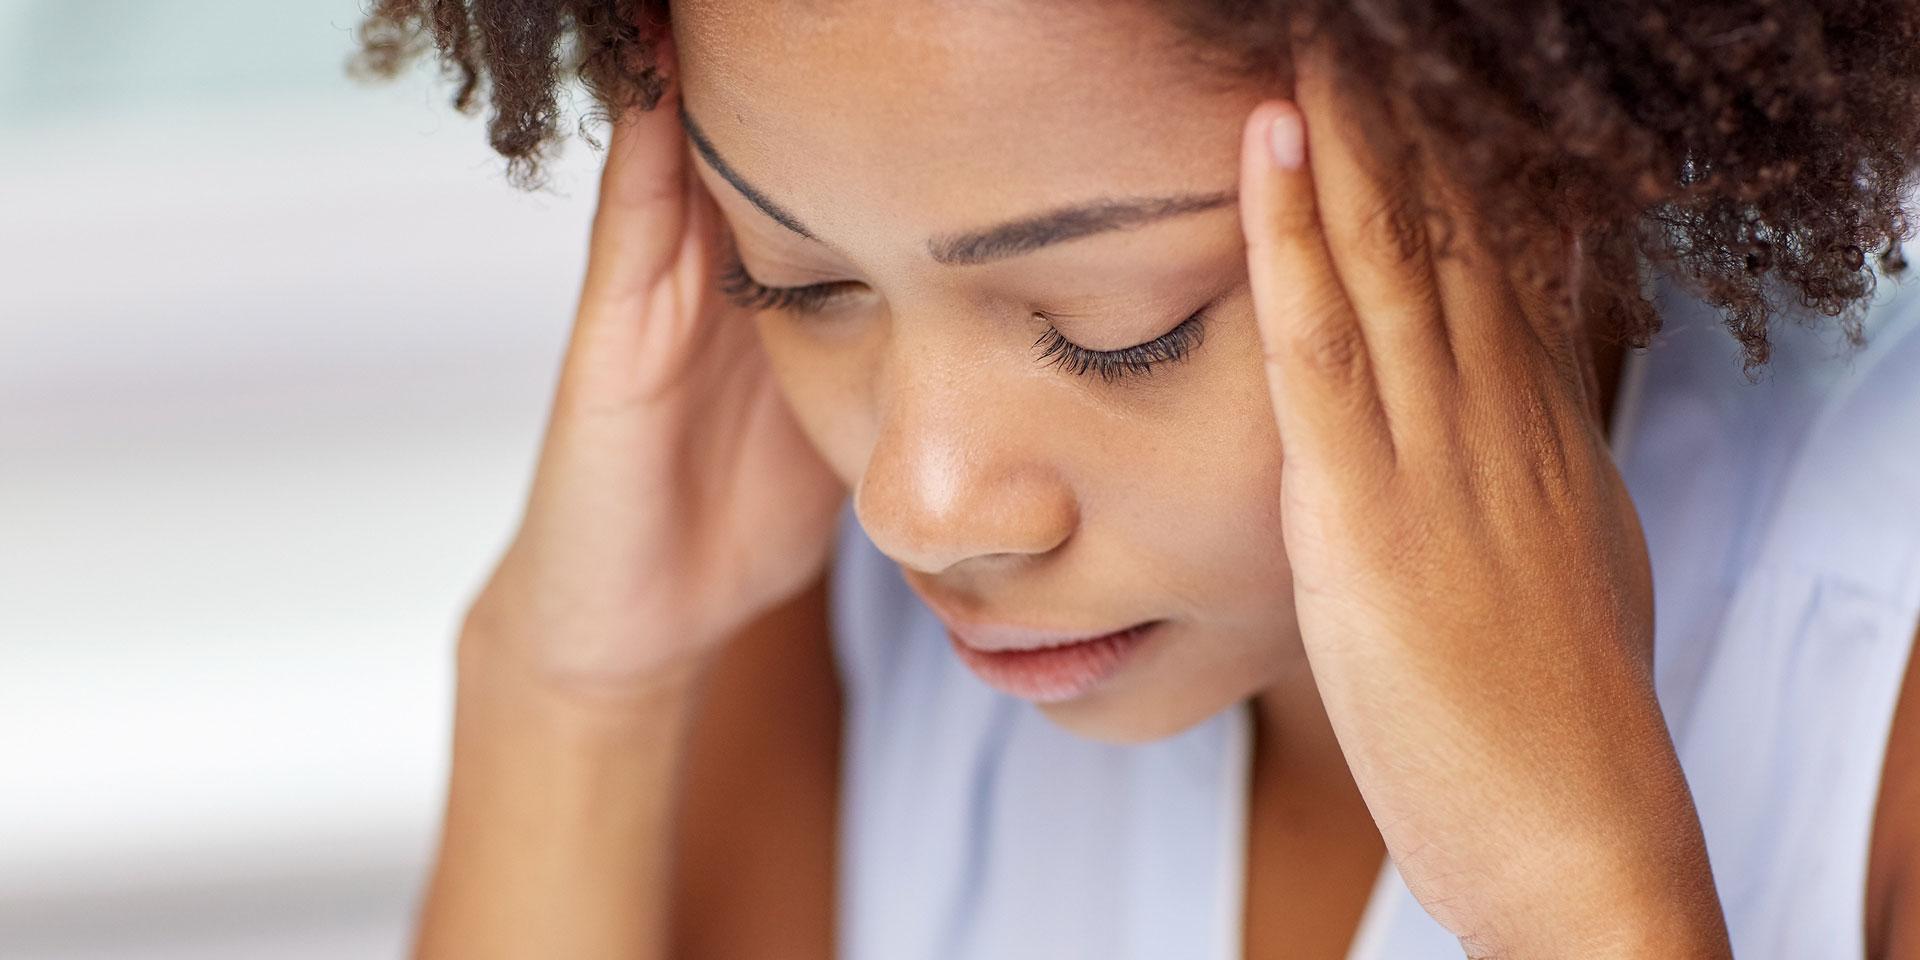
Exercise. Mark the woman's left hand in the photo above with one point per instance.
(1470, 578)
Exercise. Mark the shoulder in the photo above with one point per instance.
(1810, 461)
(1784, 531)
(1893, 880)
(1849, 514)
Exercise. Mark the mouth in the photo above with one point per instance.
(1045, 667)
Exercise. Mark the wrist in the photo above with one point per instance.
(510, 665)
(1666, 936)
(1611, 912)
(578, 637)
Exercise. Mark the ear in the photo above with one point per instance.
(653, 58)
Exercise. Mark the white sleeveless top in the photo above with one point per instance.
(1783, 520)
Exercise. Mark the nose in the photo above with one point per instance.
(959, 473)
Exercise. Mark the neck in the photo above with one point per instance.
(1294, 748)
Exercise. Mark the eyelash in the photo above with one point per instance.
(750, 294)
(1110, 365)
(1055, 348)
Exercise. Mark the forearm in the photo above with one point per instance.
(1619, 868)
(1539, 837)
(558, 829)
(1619, 877)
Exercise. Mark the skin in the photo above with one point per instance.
(1412, 549)
(919, 389)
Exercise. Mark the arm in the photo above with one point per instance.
(1469, 577)
(675, 503)
(755, 838)
(557, 816)
(565, 809)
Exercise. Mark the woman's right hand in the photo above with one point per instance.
(675, 497)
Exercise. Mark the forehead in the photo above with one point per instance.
(940, 116)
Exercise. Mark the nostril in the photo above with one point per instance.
(952, 476)
(996, 518)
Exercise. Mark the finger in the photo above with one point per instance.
(1318, 367)
(640, 217)
(1504, 316)
(1520, 382)
(1374, 217)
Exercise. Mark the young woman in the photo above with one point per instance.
(1244, 515)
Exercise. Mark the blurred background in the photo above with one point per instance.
(275, 350)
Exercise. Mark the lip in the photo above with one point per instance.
(1046, 667)
(1002, 638)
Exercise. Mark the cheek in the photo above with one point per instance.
(1227, 527)
(827, 391)
(1215, 497)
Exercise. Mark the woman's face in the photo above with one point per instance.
(987, 190)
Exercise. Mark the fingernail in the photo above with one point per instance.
(1288, 139)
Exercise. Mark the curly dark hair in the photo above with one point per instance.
(1760, 149)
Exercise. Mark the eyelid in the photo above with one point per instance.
(747, 293)
(1110, 365)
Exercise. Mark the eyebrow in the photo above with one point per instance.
(999, 242)
(1016, 237)
(705, 148)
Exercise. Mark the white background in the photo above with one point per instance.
(275, 349)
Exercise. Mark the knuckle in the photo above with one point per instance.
(1329, 348)
(1291, 224)
(1393, 228)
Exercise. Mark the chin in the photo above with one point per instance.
(1115, 718)
(1172, 690)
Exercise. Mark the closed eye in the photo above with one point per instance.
(750, 294)
(1055, 349)
(1110, 365)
